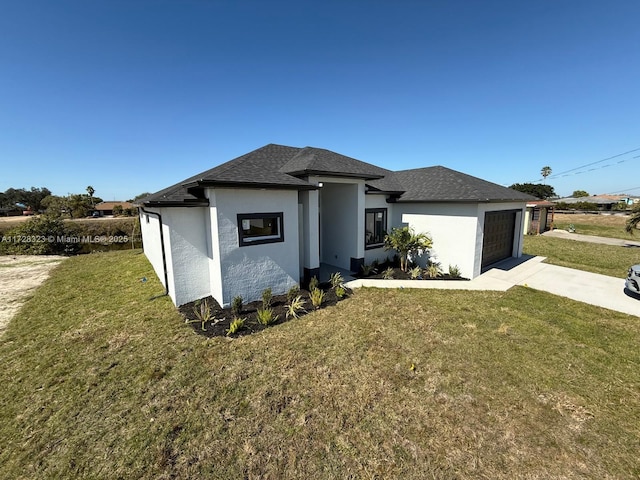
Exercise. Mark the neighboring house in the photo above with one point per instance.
(271, 217)
(538, 217)
(106, 208)
(602, 202)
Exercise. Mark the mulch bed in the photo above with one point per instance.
(251, 325)
(400, 275)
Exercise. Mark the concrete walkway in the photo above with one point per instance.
(591, 288)
(591, 238)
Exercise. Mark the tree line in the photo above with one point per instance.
(41, 200)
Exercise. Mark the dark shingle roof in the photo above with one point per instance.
(279, 166)
(441, 184)
(311, 160)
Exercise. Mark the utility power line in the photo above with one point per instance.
(573, 171)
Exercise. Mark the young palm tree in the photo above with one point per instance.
(405, 241)
(633, 220)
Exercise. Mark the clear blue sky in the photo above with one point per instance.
(135, 95)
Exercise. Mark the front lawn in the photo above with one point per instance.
(592, 257)
(102, 379)
(611, 226)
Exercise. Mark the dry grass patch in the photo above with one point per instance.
(612, 226)
(103, 382)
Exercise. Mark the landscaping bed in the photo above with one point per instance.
(398, 274)
(221, 318)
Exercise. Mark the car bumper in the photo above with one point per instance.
(632, 285)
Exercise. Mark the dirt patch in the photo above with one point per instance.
(19, 276)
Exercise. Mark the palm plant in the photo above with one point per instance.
(545, 172)
(633, 220)
(406, 242)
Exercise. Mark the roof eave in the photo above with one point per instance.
(177, 203)
(257, 185)
(462, 200)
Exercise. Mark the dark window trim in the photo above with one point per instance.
(371, 246)
(248, 216)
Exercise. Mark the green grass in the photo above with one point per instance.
(99, 381)
(593, 257)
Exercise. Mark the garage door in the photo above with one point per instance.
(499, 229)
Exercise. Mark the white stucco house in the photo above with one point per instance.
(271, 217)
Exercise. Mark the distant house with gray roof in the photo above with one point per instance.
(271, 217)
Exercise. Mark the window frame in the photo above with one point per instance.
(374, 211)
(248, 240)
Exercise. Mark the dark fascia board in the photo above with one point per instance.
(176, 203)
(308, 173)
(470, 200)
(257, 185)
(384, 192)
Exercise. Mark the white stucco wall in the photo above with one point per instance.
(248, 270)
(341, 203)
(379, 254)
(187, 242)
(151, 245)
(451, 226)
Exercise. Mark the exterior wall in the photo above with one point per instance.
(150, 229)
(187, 258)
(309, 224)
(453, 227)
(379, 254)
(248, 270)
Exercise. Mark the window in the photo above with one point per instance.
(375, 227)
(259, 228)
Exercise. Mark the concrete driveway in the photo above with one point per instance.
(529, 271)
(591, 288)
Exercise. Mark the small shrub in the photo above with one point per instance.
(265, 316)
(236, 325)
(236, 306)
(454, 271)
(293, 293)
(415, 273)
(202, 311)
(267, 296)
(317, 296)
(336, 280)
(313, 284)
(388, 273)
(433, 270)
(369, 269)
(294, 306)
(340, 291)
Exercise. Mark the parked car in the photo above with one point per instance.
(633, 279)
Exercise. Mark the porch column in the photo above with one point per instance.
(358, 260)
(311, 236)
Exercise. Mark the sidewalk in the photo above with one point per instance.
(591, 288)
(591, 238)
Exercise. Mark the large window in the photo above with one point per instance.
(259, 228)
(375, 227)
